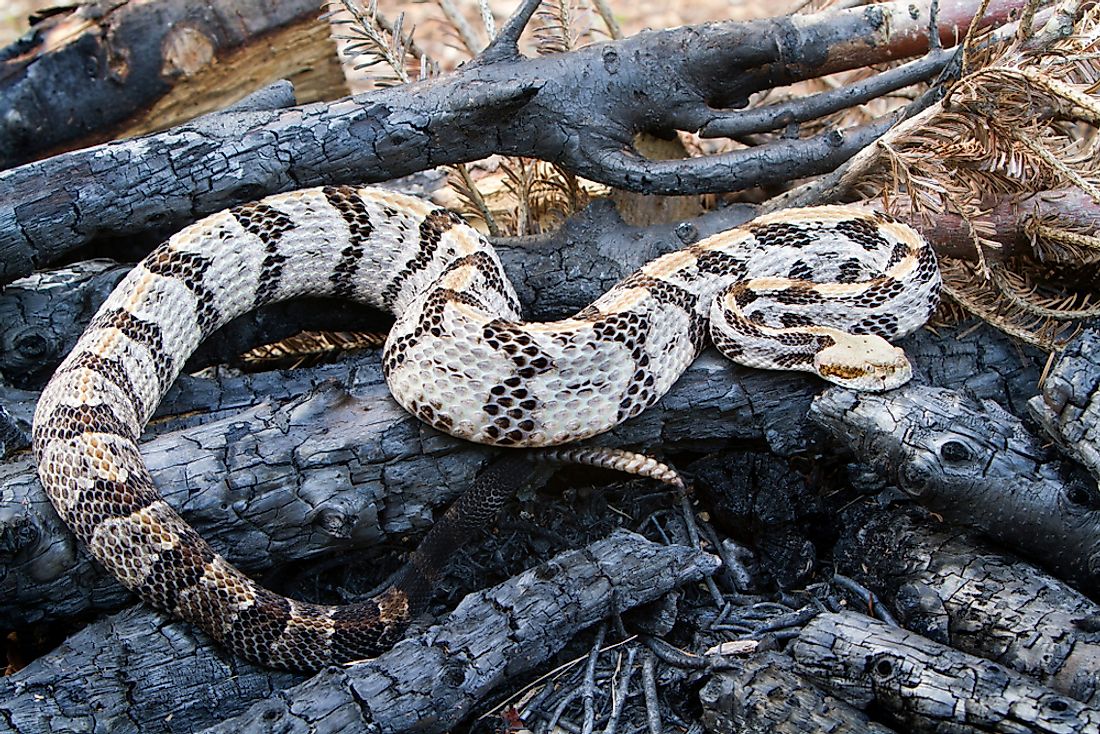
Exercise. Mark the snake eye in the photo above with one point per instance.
(954, 452)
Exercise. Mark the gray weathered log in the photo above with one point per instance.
(944, 584)
(434, 677)
(975, 464)
(580, 109)
(42, 316)
(1068, 407)
(766, 696)
(928, 687)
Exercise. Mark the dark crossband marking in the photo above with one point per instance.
(851, 271)
(861, 231)
(353, 210)
(66, 422)
(188, 268)
(142, 332)
(665, 292)
(879, 291)
(432, 228)
(491, 276)
(113, 370)
(716, 262)
(783, 234)
(175, 569)
(269, 224)
(883, 324)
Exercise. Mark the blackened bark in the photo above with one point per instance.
(581, 109)
(1069, 405)
(766, 696)
(136, 671)
(928, 687)
(977, 465)
(942, 583)
(112, 69)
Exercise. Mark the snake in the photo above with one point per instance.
(817, 289)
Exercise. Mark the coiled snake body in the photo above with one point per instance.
(814, 289)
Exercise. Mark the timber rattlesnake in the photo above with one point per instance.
(779, 292)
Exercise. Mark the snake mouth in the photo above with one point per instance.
(866, 363)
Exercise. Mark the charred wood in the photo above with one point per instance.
(342, 467)
(1068, 406)
(924, 686)
(283, 466)
(111, 69)
(765, 695)
(427, 682)
(942, 583)
(975, 464)
(501, 103)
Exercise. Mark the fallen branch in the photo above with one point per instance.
(112, 69)
(427, 682)
(943, 584)
(928, 687)
(580, 109)
(765, 695)
(976, 465)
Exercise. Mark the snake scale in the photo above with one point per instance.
(814, 289)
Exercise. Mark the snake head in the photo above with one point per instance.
(863, 362)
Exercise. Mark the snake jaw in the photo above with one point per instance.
(864, 362)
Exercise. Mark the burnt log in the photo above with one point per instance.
(764, 696)
(545, 107)
(942, 583)
(342, 467)
(427, 682)
(924, 686)
(108, 70)
(1068, 406)
(976, 465)
(322, 460)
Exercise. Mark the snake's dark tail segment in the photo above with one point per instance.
(474, 509)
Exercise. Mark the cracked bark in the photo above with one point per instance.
(975, 464)
(428, 682)
(580, 109)
(945, 585)
(323, 460)
(766, 696)
(1068, 407)
(928, 687)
